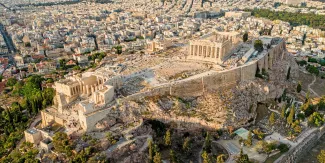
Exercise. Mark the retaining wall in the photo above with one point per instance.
(212, 80)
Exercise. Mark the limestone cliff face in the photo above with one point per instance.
(233, 105)
(245, 96)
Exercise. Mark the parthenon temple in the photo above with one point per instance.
(214, 48)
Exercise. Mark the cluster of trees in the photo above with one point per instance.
(302, 63)
(263, 75)
(118, 49)
(26, 153)
(260, 135)
(154, 154)
(291, 121)
(312, 69)
(308, 109)
(63, 66)
(316, 119)
(242, 158)
(111, 139)
(14, 120)
(248, 141)
(207, 151)
(64, 145)
(321, 156)
(295, 19)
(95, 56)
(267, 147)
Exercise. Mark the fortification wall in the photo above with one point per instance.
(88, 122)
(196, 85)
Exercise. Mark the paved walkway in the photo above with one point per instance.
(233, 149)
(123, 142)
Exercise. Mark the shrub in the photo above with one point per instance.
(283, 148)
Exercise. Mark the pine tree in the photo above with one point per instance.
(299, 87)
(249, 139)
(307, 95)
(283, 112)
(168, 138)
(291, 116)
(245, 37)
(220, 158)
(157, 158)
(207, 143)
(288, 74)
(172, 157)
(151, 151)
(187, 144)
(321, 156)
(205, 157)
(272, 119)
(242, 158)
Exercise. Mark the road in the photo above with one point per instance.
(7, 38)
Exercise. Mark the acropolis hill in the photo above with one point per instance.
(212, 85)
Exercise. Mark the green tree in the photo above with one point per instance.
(207, 143)
(205, 157)
(291, 115)
(316, 119)
(258, 45)
(172, 157)
(168, 141)
(258, 133)
(242, 158)
(11, 82)
(272, 119)
(151, 151)
(220, 158)
(321, 156)
(110, 138)
(288, 73)
(307, 96)
(187, 144)
(321, 103)
(157, 158)
(62, 143)
(299, 87)
(249, 140)
(76, 68)
(283, 112)
(245, 37)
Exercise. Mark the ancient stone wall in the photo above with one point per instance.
(211, 80)
(88, 122)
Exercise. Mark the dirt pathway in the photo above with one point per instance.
(309, 86)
